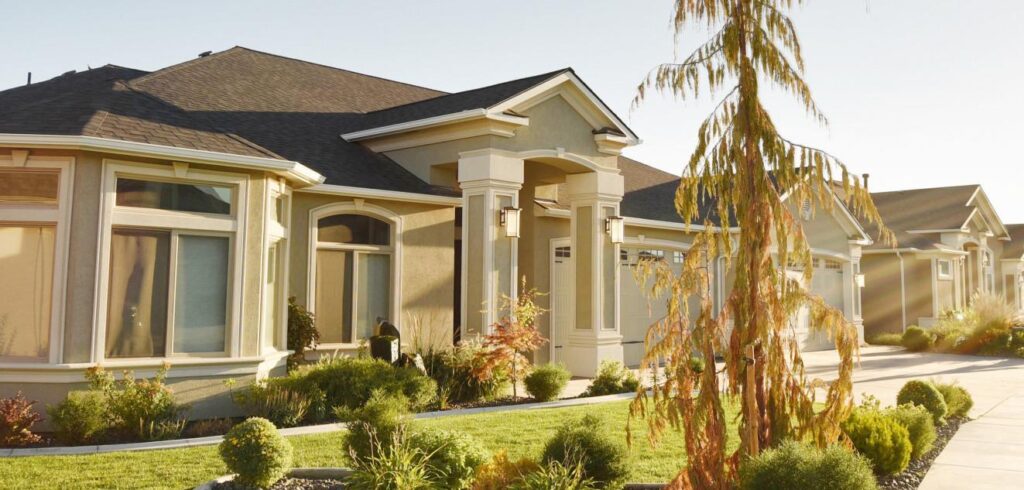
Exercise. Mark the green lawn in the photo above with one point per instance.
(521, 433)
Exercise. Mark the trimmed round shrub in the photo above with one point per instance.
(925, 394)
(546, 382)
(801, 466)
(453, 458)
(256, 453)
(919, 425)
(882, 439)
(958, 399)
(585, 441)
(917, 339)
(350, 381)
(612, 378)
(375, 424)
(80, 418)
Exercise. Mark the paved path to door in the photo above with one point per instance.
(987, 452)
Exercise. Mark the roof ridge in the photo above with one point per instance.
(961, 186)
(180, 65)
(442, 92)
(407, 104)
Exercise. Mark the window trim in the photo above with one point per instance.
(276, 235)
(60, 217)
(176, 222)
(358, 206)
(938, 269)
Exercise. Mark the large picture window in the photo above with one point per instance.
(171, 284)
(33, 201)
(353, 276)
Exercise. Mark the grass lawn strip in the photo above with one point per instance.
(521, 433)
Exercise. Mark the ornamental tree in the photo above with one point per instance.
(738, 174)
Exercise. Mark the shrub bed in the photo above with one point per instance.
(799, 466)
(925, 394)
(880, 438)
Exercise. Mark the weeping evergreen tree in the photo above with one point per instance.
(741, 169)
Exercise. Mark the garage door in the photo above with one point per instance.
(637, 312)
(561, 301)
(827, 282)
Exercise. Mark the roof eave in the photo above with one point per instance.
(432, 122)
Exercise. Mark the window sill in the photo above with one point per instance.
(144, 368)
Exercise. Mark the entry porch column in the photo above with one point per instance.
(490, 180)
(595, 336)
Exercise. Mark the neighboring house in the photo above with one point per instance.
(1013, 267)
(950, 245)
(166, 217)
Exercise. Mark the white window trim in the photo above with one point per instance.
(193, 223)
(938, 269)
(60, 217)
(361, 208)
(276, 234)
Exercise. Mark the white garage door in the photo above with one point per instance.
(561, 301)
(637, 312)
(827, 282)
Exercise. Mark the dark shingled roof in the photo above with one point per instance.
(1014, 249)
(939, 208)
(480, 98)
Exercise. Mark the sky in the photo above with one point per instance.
(919, 93)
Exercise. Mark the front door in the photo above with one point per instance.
(561, 297)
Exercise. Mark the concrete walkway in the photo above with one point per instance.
(987, 452)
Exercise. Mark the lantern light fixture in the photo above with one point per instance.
(509, 218)
(614, 226)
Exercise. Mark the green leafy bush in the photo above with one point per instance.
(917, 339)
(302, 333)
(81, 418)
(373, 424)
(800, 466)
(453, 458)
(349, 381)
(925, 394)
(920, 427)
(256, 453)
(612, 377)
(502, 473)
(276, 401)
(546, 382)
(586, 441)
(556, 476)
(880, 438)
(457, 370)
(139, 409)
(392, 463)
(16, 420)
(886, 338)
(958, 400)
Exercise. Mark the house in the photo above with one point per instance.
(151, 217)
(950, 245)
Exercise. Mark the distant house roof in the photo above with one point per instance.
(1015, 248)
(916, 216)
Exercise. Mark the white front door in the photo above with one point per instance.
(827, 283)
(561, 298)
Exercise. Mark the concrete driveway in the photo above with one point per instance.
(987, 452)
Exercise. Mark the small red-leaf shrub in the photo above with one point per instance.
(16, 421)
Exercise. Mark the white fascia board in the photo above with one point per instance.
(558, 80)
(365, 193)
(286, 168)
(435, 121)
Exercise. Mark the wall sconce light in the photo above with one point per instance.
(615, 228)
(860, 280)
(509, 218)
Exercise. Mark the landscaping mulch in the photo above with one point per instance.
(292, 484)
(911, 477)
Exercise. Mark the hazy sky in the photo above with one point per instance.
(920, 93)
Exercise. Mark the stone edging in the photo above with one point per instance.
(310, 473)
(295, 431)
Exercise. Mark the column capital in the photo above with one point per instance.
(490, 167)
(603, 186)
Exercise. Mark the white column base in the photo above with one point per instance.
(583, 356)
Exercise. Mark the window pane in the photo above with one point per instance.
(137, 303)
(334, 296)
(26, 286)
(30, 186)
(273, 299)
(373, 293)
(196, 198)
(353, 228)
(201, 294)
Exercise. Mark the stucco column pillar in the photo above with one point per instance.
(490, 181)
(853, 309)
(595, 336)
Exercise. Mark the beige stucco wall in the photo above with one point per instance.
(882, 310)
(428, 258)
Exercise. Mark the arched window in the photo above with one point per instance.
(354, 263)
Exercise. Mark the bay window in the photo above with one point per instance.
(353, 265)
(171, 286)
(34, 201)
